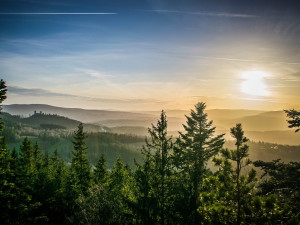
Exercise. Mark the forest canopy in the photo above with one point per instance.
(171, 183)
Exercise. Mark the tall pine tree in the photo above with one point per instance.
(194, 148)
(157, 171)
(80, 167)
(100, 172)
(235, 184)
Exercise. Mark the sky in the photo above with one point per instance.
(151, 54)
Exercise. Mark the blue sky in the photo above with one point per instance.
(142, 55)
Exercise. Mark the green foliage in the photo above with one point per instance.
(97, 207)
(195, 147)
(171, 185)
(156, 173)
(3, 91)
(51, 126)
(121, 186)
(80, 167)
(100, 172)
(283, 180)
(239, 187)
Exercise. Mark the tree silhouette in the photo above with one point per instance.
(80, 166)
(195, 147)
(294, 121)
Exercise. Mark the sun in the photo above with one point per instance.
(253, 83)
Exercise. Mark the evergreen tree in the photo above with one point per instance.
(236, 187)
(5, 182)
(97, 207)
(80, 166)
(156, 173)
(26, 157)
(282, 180)
(3, 91)
(145, 203)
(121, 186)
(194, 148)
(37, 156)
(100, 173)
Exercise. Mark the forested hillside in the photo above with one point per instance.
(54, 175)
(263, 126)
(55, 132)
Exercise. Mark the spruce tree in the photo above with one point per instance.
(194, 148)
(3, 91)
(157, 171)
(239, 184)
(120, 186)
(26, 156)
(145, 200)
(100, 173)
(80, 166)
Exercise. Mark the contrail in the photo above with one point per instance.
(60, 13)
(218, 14)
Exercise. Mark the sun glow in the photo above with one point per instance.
(254, 83)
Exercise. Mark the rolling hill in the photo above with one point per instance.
(268, 126)
(125, 137)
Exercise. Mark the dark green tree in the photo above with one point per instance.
(4, 162)
(194, 148)
(3, 91)
(157, 154)
(26, 157)
(80, 167)
(282, 180)
(145, 206)
(97, 207)
(37, 156)
(227, 193)
(6, 183)
(121, 186)
(294, 121)
(243, 184)
(100, 172)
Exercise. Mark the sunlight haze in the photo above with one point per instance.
(145, 55)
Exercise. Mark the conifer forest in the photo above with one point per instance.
(190, 179)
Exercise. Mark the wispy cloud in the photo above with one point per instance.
(216, 14)
(45, 93)
(36, 92)
(61, 13)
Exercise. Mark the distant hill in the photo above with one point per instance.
(84, 115)
(56, 132)
(47, 121)
(266, 121)
(231, 113)
(269, 126)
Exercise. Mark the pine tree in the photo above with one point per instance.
(240, 185)
(194, 148)
(37, 156)
(3, 91)
(80, 166)
(145, 200)
(5, 182)
(100, 173)
(283, 180)
(157, 171)
(26, 156)
(120, 186)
